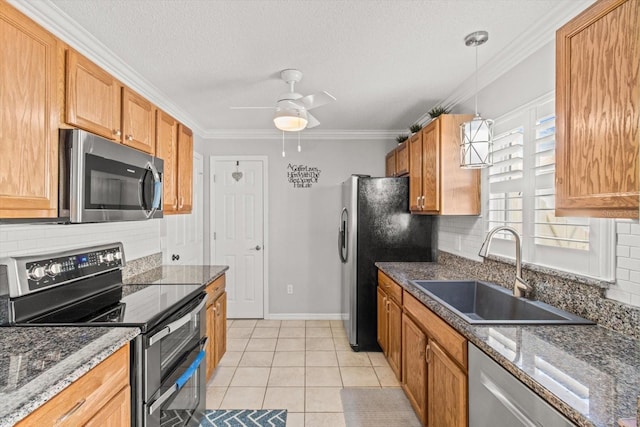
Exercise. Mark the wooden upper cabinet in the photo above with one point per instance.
(437, 184)
(598, 111)
(390, 164)
(167, 150)
(138, 122)
(185, 169)
(92, 98)
(402, 159)
(28, 118)
(415, 172)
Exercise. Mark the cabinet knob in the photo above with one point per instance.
(117, 132)
(129, 137)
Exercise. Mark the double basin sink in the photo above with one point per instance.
(482, 303)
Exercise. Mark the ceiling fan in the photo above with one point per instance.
(291, 110)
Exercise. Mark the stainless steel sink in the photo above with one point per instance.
(482, 303)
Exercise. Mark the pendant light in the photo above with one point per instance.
(476, 136)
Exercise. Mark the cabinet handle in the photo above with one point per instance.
(426, 357)
(129, 137)
(175, 203)
(418, 202)
(181, 202)
(71, 411)
(117, 132)
(219, 311)
(422, 205)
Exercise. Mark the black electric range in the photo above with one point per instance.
(83, 287)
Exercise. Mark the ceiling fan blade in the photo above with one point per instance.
(316, 99)
(250, 108)
(313, 122)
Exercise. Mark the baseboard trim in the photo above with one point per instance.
(304, 316)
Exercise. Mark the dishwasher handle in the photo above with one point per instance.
(503, 398)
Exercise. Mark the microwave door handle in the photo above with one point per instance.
(177, 324)
(157, 187)
(180, 382)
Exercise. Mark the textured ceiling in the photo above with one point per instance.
(386, 61)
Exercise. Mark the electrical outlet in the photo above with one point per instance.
(290, 289)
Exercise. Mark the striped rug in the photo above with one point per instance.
(244, 418)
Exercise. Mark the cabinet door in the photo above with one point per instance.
(167, 150)
(431, 167)
(28, 118)
(185, 169)
(414, 367)
(402, 159)
(116, 413)
(211, 334)
(390, 164)
(138, 122)
(415, 172)
(598, 111)
(394, 343)
(382, 319)
(447, 390)
(221, 327)
(92, 98)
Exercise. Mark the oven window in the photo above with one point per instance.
(174, 344)
(110, 184)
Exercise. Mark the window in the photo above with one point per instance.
(521, 194)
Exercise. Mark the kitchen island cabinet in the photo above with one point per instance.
(598, 111)
(29, 118)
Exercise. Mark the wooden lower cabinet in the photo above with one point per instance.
(101, 397)
(216, 315)
(428, 356)
(446, 389)
(414, 366)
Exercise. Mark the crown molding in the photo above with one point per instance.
(66, 29)
(518, 50)
(274, 134)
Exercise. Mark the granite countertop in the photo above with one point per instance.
(36, 363)
(589, 373)
(174, 275)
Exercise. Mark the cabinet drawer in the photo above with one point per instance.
(215, 289)
(79, 402)
(393, 290)
(437, 329)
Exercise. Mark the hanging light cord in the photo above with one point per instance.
(283, 144)
(476, 79)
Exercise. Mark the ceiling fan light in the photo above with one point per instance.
(290, 120)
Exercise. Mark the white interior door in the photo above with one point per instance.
(238, 231)
(185, 233)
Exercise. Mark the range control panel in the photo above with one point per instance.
(45, 270)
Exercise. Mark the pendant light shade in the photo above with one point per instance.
(290, 119)
(476, 136)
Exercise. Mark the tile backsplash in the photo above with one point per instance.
(463, 236)
(140, 238)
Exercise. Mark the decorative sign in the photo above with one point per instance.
(302, 176)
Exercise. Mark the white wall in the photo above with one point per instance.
(532, 78)
(302, 222)
(140, 238)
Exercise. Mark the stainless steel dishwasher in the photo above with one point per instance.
(497, 398)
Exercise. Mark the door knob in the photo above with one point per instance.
(257, 248)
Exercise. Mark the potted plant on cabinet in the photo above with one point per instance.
(437, 111)
(415, 128)
(402, 138)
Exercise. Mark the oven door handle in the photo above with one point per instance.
(181, 381)
(177, 324)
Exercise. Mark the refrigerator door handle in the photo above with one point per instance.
(343, 249)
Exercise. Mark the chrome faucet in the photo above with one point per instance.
(519, 286)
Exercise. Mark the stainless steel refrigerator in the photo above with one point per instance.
(375, 226)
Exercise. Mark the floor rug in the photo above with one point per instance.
(377, 408)
(244, 418)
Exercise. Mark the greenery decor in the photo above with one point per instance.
(415, 128)
(401, 138)
(436, 111)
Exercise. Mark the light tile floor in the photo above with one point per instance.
(298, 365)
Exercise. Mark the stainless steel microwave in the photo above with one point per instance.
(102, 181)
